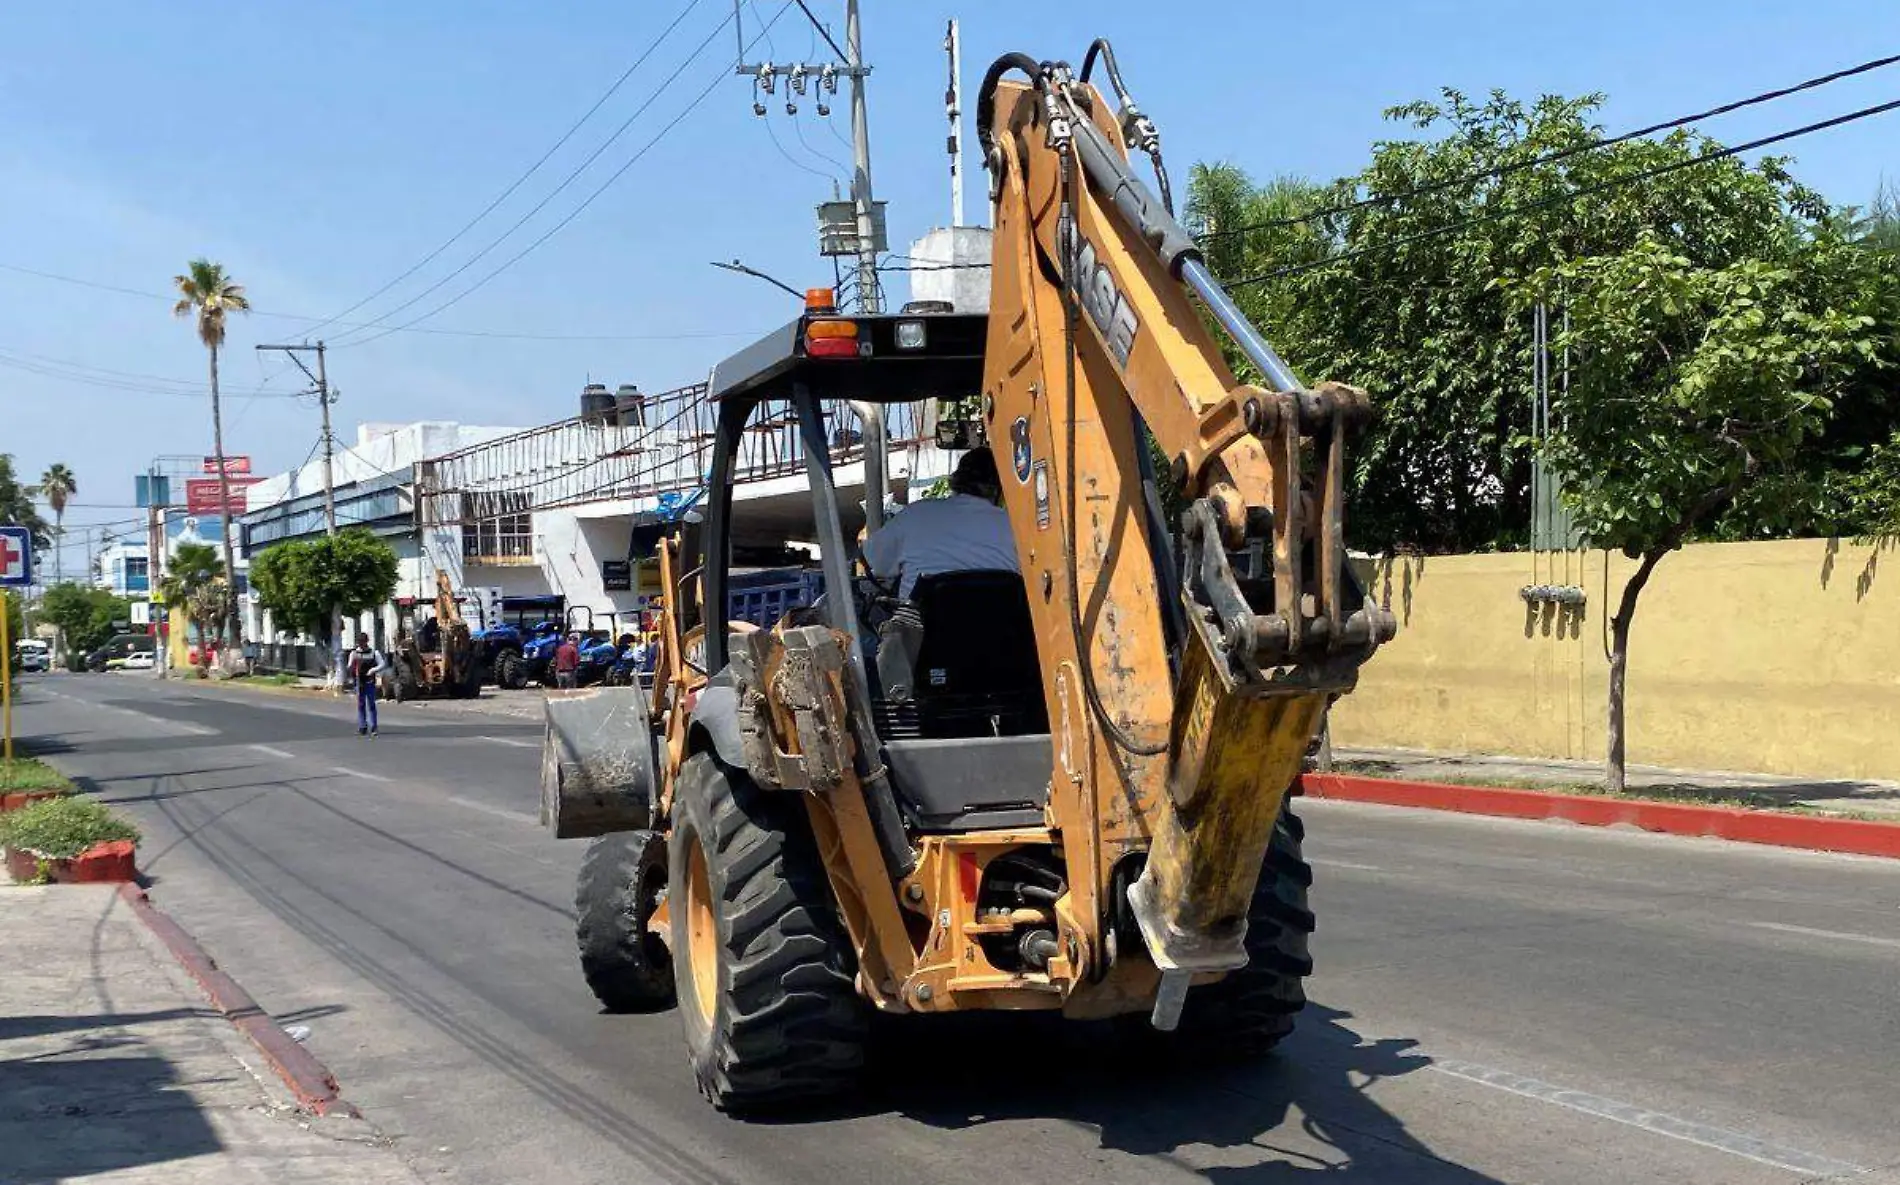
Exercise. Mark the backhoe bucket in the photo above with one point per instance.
(597, 763)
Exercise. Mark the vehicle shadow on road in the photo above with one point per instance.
(1303, 1113)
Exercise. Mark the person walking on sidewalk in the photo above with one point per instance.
(365, 664)
(567, 660)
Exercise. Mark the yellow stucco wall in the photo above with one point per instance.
(1779, 657)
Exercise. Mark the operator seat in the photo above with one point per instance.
(976, 673)
(968, 745)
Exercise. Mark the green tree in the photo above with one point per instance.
(57, 486)
(1401, 289)
(307, 582)
(85, 616)
(205, 289)
(16, 505)
(1692, 384)
(195, 583)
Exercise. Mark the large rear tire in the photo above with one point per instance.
(623, 878)
(1253, 1009)
(510, 671)
(765, 971)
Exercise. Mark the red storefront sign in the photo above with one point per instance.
(201, 496)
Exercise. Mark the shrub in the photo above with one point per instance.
(61, 828)
(24, 773)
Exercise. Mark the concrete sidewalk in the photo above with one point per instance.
(1850, 797)
(113, 1067)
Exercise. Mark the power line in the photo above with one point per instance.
(576, 212)
(790, 159)
(108, 380)
(518, 223)
(500, 335)
(517, 183)
(1561, 154)
(1571, 195)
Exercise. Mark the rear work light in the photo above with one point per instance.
(831, 339)
(910, 335)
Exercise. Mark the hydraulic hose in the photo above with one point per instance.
(986, 93)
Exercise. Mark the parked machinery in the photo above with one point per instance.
(434, 655)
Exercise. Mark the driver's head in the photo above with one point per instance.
(975, 475)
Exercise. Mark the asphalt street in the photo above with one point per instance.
(1494, 1002)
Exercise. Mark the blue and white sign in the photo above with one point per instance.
(16, 557)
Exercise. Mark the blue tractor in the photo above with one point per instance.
(518, 648)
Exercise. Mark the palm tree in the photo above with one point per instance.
(57, 486)
(196, 584)
(206, 290)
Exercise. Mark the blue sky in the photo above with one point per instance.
(319, 150)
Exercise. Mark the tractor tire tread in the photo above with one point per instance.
(617, 960)
(791, 1026)
(1253, 1009)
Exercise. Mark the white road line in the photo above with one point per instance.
(1317, 862)
(180, 725)
(1840, 935)
(357, 773)
(275, 752)
(1721, 1139)
(503, 812)
(511, 741)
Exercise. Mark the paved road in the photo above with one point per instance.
(1495, 1001)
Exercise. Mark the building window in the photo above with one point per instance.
(505, 534)
(136, 572)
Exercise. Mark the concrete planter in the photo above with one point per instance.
(13, 800)
(107, 863)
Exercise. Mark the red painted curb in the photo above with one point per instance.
(101, 864)
(313, 1084)
(1775, 828)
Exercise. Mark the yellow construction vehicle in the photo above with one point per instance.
(1078, 803)
(433, 656)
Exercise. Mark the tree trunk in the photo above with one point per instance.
(1619, 663)
(224, 517)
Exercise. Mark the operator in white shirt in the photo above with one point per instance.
(966, 532)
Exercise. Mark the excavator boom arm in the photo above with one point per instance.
(1096, 344)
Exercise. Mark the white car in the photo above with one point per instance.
(139, 660)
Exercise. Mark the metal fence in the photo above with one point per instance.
(584, 460)
(292, 658)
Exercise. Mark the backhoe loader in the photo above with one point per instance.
(1077, 800)
(433, 656)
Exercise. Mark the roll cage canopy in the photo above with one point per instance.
(948, 364)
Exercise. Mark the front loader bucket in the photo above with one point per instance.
(597, 763)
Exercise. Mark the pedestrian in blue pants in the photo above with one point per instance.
(365, 664)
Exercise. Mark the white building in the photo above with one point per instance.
(373, 481)
(125, 569)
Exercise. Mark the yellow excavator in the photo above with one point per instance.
(1076, 799)
(433, 656)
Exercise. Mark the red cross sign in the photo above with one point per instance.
(16, 557)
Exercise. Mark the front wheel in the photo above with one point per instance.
(765, 970)
(622, 881)
(511, 671)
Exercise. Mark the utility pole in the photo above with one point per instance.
(798, 78)
(324, 399)
(953, 110)
(320, 378)
(870, 298)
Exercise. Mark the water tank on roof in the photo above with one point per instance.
(597, 404)
(631, 406)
